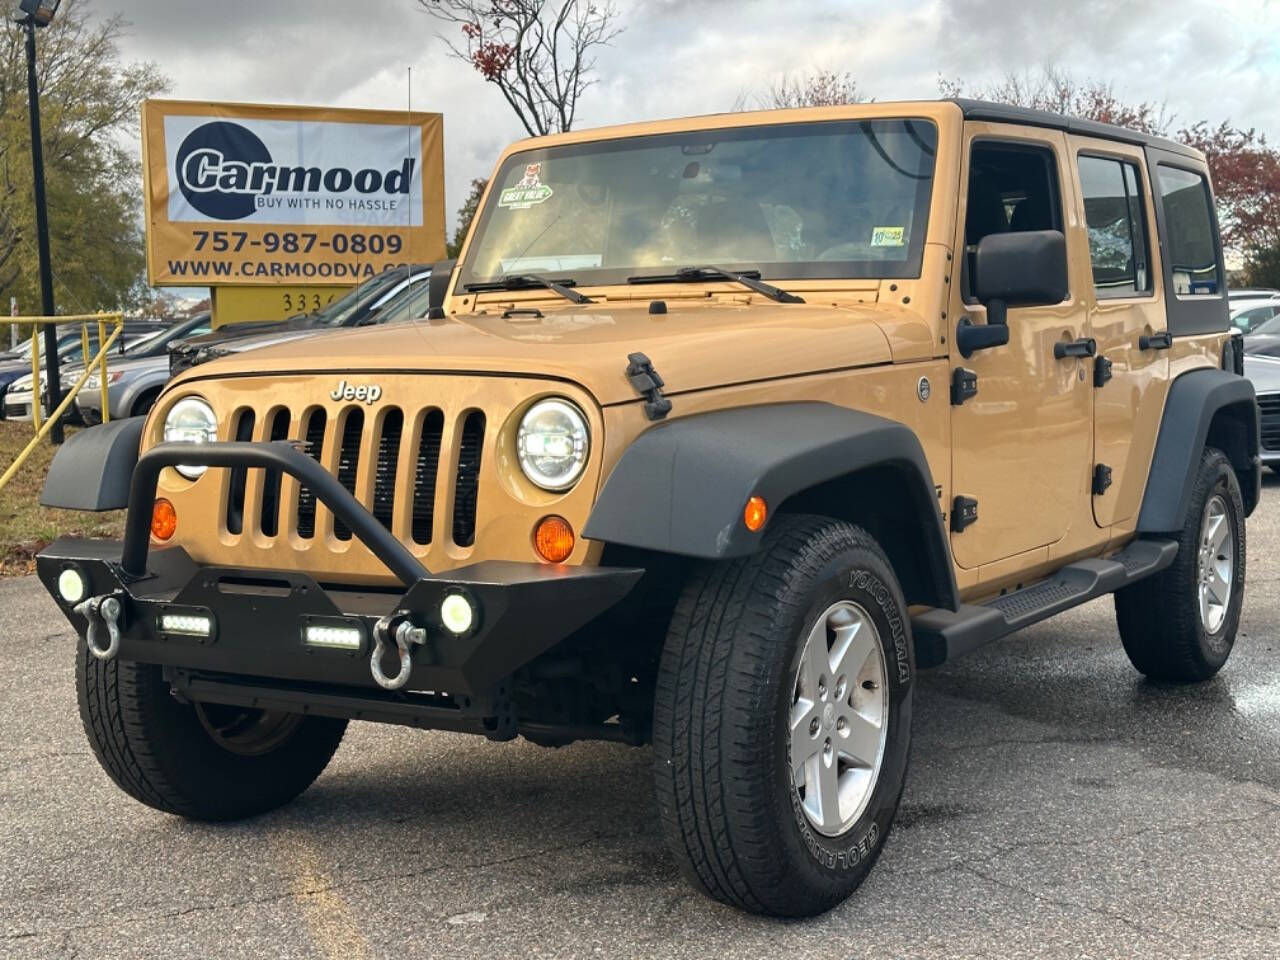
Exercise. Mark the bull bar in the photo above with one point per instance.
(255, 650)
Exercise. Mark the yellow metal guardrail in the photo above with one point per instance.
(99, 361)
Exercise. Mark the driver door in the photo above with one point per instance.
(1022, 446)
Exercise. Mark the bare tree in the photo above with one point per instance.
(538, 53)
(823, 88)
(1050, 88)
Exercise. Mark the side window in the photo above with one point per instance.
(1192, 243)
(1012, 188)
(1113, 212)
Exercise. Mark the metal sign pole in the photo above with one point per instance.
(42, 240)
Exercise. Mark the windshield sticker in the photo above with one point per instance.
(887, 236)
(528, 191)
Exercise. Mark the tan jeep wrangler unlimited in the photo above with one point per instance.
(718, 430)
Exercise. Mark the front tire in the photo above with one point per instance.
(782, 719)
(199, 761)
(1180, 625)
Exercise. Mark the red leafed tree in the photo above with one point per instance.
(1246, 182)
(539, 53)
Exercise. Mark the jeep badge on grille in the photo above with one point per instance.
(367, 393)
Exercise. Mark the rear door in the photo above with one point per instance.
(1124, 299)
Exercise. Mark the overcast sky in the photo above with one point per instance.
(1211, 60)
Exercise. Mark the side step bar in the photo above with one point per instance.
(942, 635)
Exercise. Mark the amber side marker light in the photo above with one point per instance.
(164, 520)
(755, 513)
(553, 539)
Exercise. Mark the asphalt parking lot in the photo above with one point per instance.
(1058, 806)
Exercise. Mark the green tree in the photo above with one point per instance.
(89, 102)
(466, 213)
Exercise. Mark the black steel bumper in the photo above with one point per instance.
(259, 618)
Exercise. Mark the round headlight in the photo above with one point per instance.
(190, 421)
(552, 444)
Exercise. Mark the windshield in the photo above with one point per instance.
(1271, 326)
(338, 312)
(155, 344)
(820, 200)
(409, 304)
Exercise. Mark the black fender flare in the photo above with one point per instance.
(93, 468)
(681, 487)
(1204, 407)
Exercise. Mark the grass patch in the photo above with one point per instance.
(26, 528)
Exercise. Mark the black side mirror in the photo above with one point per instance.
(1023, 269)
(438, 286)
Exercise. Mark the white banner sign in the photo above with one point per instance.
(291, 172)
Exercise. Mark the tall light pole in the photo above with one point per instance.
(38, 13)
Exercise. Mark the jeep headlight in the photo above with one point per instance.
(191, 420)
(552, 444)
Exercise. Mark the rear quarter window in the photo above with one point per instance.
(1191, 241)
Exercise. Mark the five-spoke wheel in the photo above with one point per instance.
(838, 717)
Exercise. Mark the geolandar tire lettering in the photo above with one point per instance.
(782, 718)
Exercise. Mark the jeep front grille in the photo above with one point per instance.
(368, 466)
(1269, 403)
(427, 459)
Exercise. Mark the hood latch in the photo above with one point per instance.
(649, 385)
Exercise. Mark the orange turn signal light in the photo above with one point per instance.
(164, 520)
(553, 539)
(755, 513)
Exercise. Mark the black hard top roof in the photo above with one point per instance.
(1004, 113)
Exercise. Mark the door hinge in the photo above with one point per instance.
(1101, 371)
(964, 384)
(646, 382)
(1101, 479)
(964, 513)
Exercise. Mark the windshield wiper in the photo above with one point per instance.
(524, 281)
(748, 278)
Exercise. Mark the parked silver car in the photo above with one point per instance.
(136, 379)
(1264, 372)
(19, 398)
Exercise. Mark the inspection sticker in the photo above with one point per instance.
(529, 190)
(887, 236)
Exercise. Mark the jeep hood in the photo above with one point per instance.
(693, 346)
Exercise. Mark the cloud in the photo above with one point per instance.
(679, 57)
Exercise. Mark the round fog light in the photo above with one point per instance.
(71, 585)
(456, 613)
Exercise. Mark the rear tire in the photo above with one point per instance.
(1180, 625)
(742, 689)
(197, 761)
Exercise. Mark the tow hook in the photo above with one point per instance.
(406, 636)
(101, 611)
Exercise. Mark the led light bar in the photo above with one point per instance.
(186, 624)
(331, 637)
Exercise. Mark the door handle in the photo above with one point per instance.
(1084, 347)
(1156, 341)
